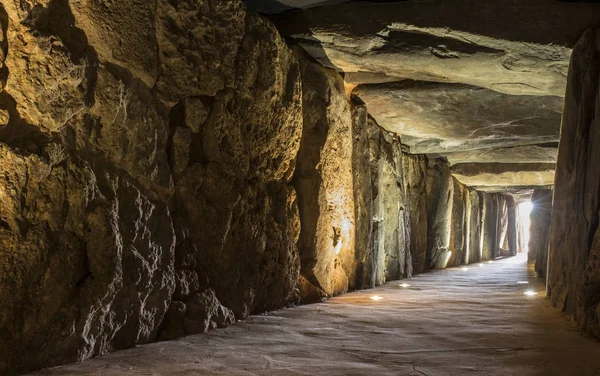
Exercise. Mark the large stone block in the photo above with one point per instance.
(538, 229)
(439, 213)
(324, 182)
(573, 281)
(415, 170)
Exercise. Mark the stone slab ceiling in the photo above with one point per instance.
(479, 82)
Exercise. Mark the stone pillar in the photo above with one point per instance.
(324, 183)
(474, 227)
(439, 213)
(457, 240)
(573, 280)
(489, 227)
(391, 196)
(415, 169)
(538, 229)
(502, 226)
(363, 199)
(512, 227)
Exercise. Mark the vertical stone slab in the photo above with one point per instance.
(439, 213)
(502, 225)
(467, 235)
(324, 182)
(391, 195)
(512, 225)
(363, 200)
(457, 241)
(573, 269)
(391, 227)
(415, 180)
(489, 227)
(377, 257)
(521, 246)
(538, 229)
(474, 227)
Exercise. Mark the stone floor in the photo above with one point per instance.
(450, 322)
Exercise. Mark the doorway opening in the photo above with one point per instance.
(525, 208)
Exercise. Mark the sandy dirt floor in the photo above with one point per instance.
(449, 322)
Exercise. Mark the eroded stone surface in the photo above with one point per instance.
(504, 174)
(87, 261)
(538, 229)
(324, 182)
(439, 213)
(440, 118)
(415, 172)
(573, 257)
(431, 41)
(143, 164)
(234, 192)
(518, 154)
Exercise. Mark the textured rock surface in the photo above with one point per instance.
(512, 226)
(364, 133)
(439, 213)
(324, 182)
(420, 66)
(439, 118)
(431, 41)
(415, 172)
(457, 236)
(474, 212)
(146, 150)
(538, 229)
(489, 226)
(86, 261)
(504, 174)
(573, 280)
(393, 213)
(518, 154)
(236, 212)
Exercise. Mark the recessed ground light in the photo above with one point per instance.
(480, 265)
(490, 262)
(376, 297)
(404, 285)
(464, 268)
(522, 282)
(530, 293)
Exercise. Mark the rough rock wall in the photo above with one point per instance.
(458, 230)
(475, 220)
(538, 229)
(394, 212)
(489, 226)
(574, 251)
(439, 213)
(362, 132)
(502, 224)
(232, 158)
(415, 170)
(324, 182)
(145, 150)
(390, 239)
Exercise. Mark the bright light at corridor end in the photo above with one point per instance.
(530, 293)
